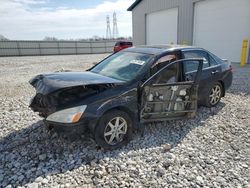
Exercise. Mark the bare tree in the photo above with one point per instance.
(3, 38)
(50, 38)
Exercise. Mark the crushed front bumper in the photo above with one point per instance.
(69, 129)
(85, 124)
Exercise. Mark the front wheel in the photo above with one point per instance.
(214, 95)
(113, 130)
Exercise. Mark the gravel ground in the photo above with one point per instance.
(211, 150)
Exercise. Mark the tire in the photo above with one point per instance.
(112, 138)
(214, 95)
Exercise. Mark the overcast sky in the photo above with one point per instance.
(64, 19)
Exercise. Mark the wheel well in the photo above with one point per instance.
(126, 110)
(223, 88)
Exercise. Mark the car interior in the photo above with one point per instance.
(167, 96)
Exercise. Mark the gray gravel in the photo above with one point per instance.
(211, 150)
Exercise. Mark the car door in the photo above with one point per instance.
(171, 97)
(210, 71)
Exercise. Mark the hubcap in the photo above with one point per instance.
(215, 95)
(115, 130)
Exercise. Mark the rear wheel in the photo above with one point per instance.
(113, 130)
(214, 95)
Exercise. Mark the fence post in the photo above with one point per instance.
(39, 46)
(18, 48)
(105, 43)
(91, 48)
(58, 48)
(76, 47)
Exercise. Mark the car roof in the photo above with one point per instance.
(159, 49)
(123, 41)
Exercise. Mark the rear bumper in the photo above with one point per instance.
(228, 79)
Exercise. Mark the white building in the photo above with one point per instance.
(219, 26)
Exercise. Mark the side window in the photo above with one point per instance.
(190, 74)
(162, 62)
(192, 66)
(168, 76)
(214, 59)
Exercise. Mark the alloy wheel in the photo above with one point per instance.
(215, 95)
(115, 130)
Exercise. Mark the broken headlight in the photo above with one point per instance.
(70, 115)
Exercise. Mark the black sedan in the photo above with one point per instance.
(137, 85)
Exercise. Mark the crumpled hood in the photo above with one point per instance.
(47, 83)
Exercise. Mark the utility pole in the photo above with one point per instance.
(108, 31)
(115, 27)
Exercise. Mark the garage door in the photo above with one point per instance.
(221, 25)
(161, 27)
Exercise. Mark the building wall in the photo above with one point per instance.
(24, 48)
(185, 18)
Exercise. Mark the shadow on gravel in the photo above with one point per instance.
(31, 153)
(241, 80)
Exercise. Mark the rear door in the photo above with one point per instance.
(211, 72)
(210, 67)
(166, 95)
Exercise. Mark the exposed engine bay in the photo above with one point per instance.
(47, 104)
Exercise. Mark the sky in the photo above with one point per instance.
(63, 19)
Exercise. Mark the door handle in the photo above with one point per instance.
(214, 72)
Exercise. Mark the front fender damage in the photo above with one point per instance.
(47, 104)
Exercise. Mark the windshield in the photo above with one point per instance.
(122, 65)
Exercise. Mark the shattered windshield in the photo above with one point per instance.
(122, 65)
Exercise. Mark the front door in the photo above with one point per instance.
(166, 95)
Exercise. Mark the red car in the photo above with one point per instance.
(122, 45)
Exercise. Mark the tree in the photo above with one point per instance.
(2, 38)
(50, 38)
(96, 38)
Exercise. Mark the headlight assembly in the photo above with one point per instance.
(70, 115)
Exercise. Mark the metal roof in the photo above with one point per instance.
(134, 5)
(157, 49)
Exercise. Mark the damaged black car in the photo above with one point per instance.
(124, 91)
